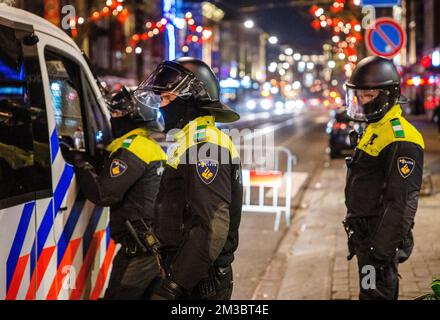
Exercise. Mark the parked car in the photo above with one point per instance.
(338, 129)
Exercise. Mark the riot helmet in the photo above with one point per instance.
(128, 114)
(372, 90)
(184, 89)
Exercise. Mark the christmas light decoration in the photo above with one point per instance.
(341, 18)
(196, 34)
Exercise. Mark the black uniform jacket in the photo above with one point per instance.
(129, 181)
(384, 180)
(198, 208)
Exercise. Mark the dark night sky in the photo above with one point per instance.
(292, 25)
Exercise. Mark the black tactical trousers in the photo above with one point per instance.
(377, 281)
(131, 276)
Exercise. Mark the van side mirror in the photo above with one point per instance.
(31, 40)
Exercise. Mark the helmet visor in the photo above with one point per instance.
(167, 78)
(365, 104)
(148, 99)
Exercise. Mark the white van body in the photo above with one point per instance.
(53, 243)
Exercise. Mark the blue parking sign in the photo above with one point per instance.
(380, 3)
(386, 39)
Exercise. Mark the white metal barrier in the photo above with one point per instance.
(269, 179)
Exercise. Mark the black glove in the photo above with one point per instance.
(78, 158)
(406, 248)
(350, 242)
(168, 290)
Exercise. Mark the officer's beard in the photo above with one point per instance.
(122, 125)
(178, 113)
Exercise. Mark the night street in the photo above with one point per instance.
(259, 153)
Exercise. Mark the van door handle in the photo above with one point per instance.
(62, 209)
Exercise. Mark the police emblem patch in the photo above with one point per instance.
(207, 170)
(117, 168)
(406, 166)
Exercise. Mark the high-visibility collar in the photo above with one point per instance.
(194, 126)
(118, 142)
(393, 127)
(395, 112)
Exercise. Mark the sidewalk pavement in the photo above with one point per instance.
(310, 262)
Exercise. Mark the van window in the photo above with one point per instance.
(65, 89)
(81, 124)
(24, 139)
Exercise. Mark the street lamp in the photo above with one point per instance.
(436, 58)
(273, 40)
(319, 12)
(273, 67)
(331, 64)
(249, 24)
(296, 85)
(288, 51)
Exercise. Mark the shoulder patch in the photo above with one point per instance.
(127, 142)
(207, 170)
(117, 168)
(397, 128)
(406, 166)
(200, 134)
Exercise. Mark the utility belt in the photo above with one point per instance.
(217, 278)
(139, 239)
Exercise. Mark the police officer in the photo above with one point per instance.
(198, 208)
(384, 178)
(128, 183)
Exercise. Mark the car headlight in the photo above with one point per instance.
(266, 104)
(279, 105)
(251, 104)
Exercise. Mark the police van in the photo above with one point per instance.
(53, 243)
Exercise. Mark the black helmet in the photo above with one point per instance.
(144, 115)
(373, 89)
(186, 77)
